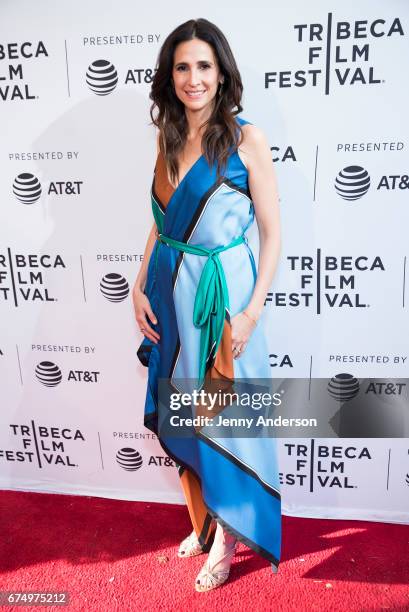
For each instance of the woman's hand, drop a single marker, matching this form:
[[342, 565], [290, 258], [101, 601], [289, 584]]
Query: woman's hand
[[143, 311], [241, 329]]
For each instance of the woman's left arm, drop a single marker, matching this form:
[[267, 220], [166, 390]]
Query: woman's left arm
[[264, 193]]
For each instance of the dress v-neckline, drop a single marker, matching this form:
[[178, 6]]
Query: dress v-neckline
[[179, 185], [175, 189]]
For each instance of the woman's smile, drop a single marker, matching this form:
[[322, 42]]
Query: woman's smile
[[195, 94]]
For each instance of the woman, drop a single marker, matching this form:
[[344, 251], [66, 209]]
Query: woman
[[198, 295]]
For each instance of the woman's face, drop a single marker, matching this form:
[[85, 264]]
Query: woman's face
[[196, 75]]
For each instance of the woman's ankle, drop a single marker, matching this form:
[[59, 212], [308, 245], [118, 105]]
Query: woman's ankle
[[223, 547]]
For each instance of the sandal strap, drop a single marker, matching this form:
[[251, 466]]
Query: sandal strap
[[190, 545], [208, 578]]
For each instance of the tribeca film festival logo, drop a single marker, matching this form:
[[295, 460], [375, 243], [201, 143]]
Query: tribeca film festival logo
[[42, 444], [102, 77], [323, 466], [27, 188], [337, 51], [50, 375], [353, 182], [130, 460], [22, 276], [12, 81], [329, 280]]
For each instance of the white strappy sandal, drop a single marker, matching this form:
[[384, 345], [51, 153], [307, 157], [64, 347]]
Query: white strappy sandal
[[190, 546], [216, 570]]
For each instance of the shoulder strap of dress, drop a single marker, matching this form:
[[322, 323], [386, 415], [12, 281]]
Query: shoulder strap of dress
[[242, 121]]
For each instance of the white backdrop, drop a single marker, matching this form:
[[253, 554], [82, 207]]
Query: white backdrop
[[327, 84]]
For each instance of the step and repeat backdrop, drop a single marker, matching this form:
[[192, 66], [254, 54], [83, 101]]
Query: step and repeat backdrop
[[327, 84]]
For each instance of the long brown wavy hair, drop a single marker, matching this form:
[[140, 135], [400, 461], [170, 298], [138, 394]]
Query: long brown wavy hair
[[222, 135]]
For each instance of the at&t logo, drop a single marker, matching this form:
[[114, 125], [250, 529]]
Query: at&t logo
[[353, 182], [27, 188], [102, 77], [114, 287], [129, 459], [50, 375], [343, 387]]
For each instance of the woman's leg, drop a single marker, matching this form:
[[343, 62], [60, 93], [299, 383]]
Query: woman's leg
[[217, 567], [203, 525]]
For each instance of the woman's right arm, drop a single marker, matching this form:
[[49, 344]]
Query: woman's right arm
[[141, 303]]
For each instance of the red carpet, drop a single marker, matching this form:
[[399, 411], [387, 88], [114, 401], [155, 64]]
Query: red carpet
[[116, 555]]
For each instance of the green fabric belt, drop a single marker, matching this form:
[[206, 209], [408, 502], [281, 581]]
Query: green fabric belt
[[212, 296]]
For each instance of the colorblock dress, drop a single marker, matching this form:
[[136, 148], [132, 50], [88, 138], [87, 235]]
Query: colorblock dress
[[233, 481]]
